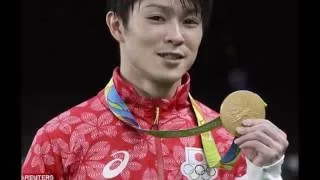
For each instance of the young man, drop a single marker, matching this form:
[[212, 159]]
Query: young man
[[107, 136]]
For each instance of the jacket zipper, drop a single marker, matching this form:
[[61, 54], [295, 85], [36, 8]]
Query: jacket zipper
[[158, 146]]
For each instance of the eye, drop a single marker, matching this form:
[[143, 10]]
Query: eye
[[191, 21], [156, 18]]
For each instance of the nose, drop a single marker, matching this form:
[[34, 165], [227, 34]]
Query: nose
[[174, 34]]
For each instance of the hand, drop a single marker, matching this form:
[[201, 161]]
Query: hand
[[261, 141]]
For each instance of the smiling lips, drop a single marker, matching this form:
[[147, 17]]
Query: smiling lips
[[171, 55]]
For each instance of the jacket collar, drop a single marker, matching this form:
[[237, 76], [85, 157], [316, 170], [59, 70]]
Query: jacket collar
[[130, 96]]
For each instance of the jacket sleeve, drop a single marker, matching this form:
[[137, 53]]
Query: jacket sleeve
[[271, 172], [41, 159]]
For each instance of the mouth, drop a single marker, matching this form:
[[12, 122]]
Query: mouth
[[171, 55]]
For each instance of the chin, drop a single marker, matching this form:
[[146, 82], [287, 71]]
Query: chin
[[170, 77]]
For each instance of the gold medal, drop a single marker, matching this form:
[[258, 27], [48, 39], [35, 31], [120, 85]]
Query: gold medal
[[241, 105]]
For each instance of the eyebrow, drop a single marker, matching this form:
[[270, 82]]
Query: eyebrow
[[166, 8], [157, 6]]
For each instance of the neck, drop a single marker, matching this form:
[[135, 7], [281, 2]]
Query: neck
[[147, 87]]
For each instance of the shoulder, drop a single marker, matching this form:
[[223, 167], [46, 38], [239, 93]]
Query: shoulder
[[65, 121], [75, 121]]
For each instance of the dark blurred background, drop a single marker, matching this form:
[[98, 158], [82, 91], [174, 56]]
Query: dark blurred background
[[68, 56]]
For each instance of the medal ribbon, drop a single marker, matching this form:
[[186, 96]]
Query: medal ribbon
[[121, 111]]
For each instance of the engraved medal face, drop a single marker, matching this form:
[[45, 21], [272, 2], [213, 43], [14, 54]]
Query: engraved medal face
[[241, 105]]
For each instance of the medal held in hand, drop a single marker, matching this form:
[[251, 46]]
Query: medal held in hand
[[241, 105]]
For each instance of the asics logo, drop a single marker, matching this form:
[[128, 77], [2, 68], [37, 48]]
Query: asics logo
[[111, 173]]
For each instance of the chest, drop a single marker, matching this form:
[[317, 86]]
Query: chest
[[134, 156]]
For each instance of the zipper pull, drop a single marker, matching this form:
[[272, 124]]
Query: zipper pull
[[156, 120]]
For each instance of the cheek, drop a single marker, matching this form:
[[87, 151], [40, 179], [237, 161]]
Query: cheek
[[151, 37], [145, 45], [195, 42], [149, 34]]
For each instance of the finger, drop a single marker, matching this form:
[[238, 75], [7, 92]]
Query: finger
[[276, 128], [253, 122], [261, 137], [258, 146], [266, 128], [261, 148]]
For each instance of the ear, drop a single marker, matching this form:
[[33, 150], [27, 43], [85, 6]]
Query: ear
[[115, 25]]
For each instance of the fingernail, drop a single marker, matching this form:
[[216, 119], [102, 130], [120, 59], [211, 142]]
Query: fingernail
[[246, 122], [239, 129]]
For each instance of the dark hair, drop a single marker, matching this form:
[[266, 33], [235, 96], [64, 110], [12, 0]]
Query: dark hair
[[121, 8]]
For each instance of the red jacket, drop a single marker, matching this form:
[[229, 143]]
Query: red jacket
[[88, 142]]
